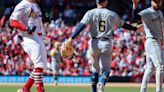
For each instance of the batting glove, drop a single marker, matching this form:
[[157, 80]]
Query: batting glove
[[30, 30]]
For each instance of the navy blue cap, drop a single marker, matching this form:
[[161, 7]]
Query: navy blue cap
[[99, 1]]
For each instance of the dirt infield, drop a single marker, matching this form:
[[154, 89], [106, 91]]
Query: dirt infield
[[85, 84]]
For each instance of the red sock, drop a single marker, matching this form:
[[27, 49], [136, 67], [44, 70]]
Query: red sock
[[29, 83], [38, 79], [40, 87]]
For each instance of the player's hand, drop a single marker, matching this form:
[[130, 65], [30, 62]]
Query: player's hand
[[67, 48], [140, 28], [30, 30], [135, 3]]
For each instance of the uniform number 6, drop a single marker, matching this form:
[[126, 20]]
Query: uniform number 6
[[102, 26]]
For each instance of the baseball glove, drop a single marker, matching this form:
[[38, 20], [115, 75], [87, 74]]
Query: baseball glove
[[66, 49]]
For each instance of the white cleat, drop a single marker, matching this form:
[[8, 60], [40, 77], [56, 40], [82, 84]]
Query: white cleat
[[100, 87]]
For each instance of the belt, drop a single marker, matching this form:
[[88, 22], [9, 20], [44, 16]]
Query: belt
[[161, 41], [151, 38], [101, 38]]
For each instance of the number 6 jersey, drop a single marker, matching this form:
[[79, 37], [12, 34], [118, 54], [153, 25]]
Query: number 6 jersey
[[102, 22]]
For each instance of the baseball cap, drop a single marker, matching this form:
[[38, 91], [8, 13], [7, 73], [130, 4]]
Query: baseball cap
[[99, 1]]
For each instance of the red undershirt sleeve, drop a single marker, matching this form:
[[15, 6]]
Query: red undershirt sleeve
[[18, 25]]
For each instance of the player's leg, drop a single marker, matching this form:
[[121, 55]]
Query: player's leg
[[95, 72], [158, 62], [105, 59], [94, 79], [55, 69], [28, 84], [156, 55], [147, 74], [95, 69], [30, 81], [105, 62], [35, 76], [41, 65], [39, 57], [38, 75]]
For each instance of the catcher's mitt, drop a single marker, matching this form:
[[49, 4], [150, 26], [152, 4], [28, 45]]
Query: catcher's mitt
[[66, 49]]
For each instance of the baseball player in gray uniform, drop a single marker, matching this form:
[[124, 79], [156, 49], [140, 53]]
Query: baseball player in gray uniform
[[102, 24], [152, 22], [56, 58]]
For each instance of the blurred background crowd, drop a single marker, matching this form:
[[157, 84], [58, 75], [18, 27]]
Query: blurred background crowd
[[60, 18]]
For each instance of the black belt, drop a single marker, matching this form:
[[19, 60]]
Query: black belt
[[102, 38], [152, 38]]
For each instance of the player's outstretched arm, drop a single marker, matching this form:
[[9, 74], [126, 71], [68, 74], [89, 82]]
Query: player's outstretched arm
[[138, 28], [78, 29], [129, 27]]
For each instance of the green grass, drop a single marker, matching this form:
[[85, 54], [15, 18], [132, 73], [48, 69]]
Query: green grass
[[75, 89]]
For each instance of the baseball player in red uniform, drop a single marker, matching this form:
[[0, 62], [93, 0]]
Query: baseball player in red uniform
[[26, 17]]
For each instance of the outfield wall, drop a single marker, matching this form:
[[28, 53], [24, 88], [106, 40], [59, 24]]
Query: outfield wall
[[47, 79], [66, 79]]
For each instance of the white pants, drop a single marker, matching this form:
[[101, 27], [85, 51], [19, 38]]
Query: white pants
[[34, 46], [55, 67], [100, 55], [154, 60]]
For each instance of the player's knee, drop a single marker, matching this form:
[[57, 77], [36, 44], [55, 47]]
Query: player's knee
[[106, 69], [149, 70], [95, 70], [105, 75], [160, 68]]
